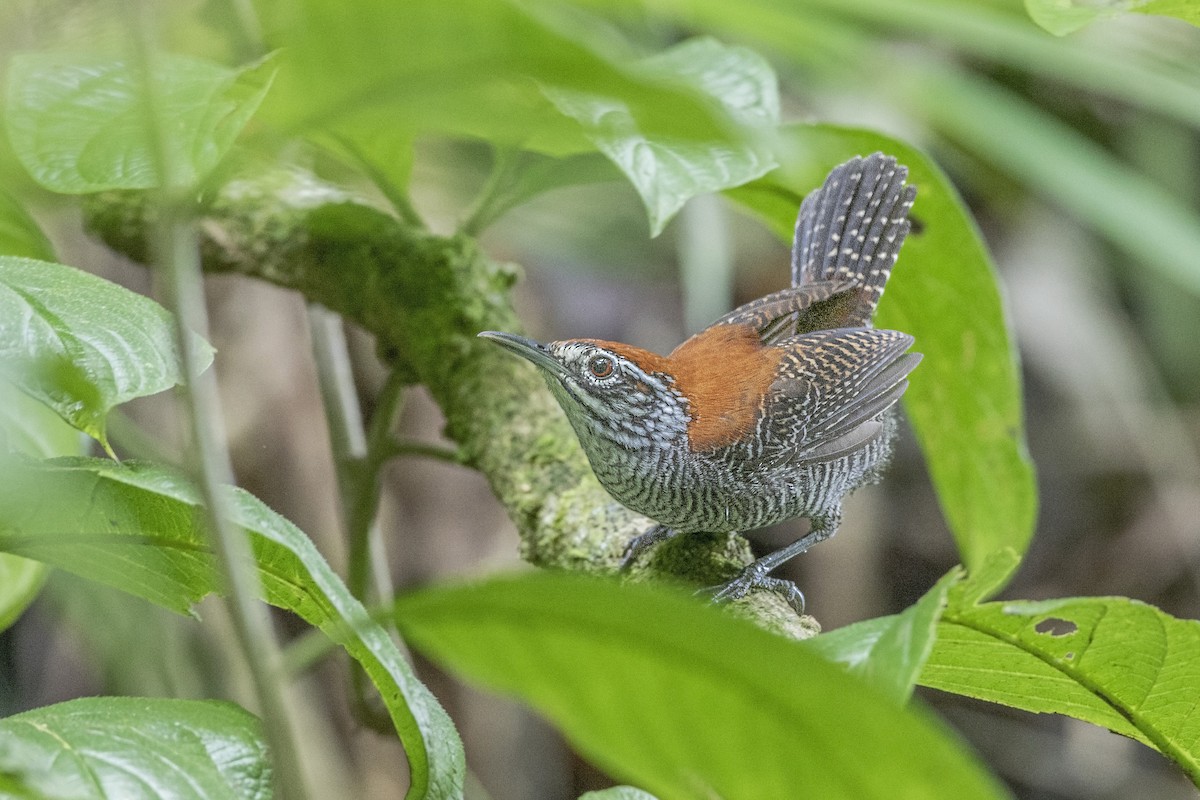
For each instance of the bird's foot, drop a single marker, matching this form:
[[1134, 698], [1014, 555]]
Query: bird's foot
[[754, 577], [643, 542]]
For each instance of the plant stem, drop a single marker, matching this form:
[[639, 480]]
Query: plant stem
[[483, 209], [176, 251], [358, 463]]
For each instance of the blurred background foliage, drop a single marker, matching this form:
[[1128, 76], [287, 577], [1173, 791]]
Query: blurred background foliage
[[1079, 157]]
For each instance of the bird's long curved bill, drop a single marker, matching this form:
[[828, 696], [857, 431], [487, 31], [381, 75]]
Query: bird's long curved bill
[[527, 349]]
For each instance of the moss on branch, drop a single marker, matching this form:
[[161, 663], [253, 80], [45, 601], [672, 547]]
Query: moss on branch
[[425, 298]]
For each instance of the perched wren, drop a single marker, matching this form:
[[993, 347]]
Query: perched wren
[[778, 409]]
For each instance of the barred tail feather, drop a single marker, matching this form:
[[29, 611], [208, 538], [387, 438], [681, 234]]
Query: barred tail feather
[[850, 231]]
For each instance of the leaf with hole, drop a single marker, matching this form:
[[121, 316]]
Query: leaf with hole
[[683, 699], [104, 748], [81, 344], [1111, 661], [138, 527]]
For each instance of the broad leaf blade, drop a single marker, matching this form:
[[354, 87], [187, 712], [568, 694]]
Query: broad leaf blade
[[668, 172], [102, 748], [682, 699], [78, 124], [81, 344], [412, 66], [964, 401], [1111, 661], [890, 652], [138, 527]]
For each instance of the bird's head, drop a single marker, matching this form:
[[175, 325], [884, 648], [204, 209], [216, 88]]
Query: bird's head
[[617, 392]]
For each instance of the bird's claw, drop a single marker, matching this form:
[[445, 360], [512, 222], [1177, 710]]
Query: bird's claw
[[752, 578], [643, 542]]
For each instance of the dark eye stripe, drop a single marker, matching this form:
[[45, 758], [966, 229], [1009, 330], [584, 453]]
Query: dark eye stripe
[[601, 366]]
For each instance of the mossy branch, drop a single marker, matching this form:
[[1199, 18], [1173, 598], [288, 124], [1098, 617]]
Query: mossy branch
[[425, 298]]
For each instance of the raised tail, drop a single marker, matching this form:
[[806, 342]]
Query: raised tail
[[849, 232]]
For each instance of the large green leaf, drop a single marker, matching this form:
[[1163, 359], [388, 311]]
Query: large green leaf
[[890, 652], [1061, 17], [683, 699], [419, 68], [81, 344], [964, 401], [667, 172], [128, 748], [139, 528], [1111, 661], [79, 124]]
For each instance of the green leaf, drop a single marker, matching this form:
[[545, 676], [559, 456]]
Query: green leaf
[[20, 582], [1061, 17], [890, 652], [19, 234], [102, 748], [81, 344], [475, 72], [618, 793], [79, 124], [138, 527], [1111, 661], [668, 172], [29, 428], [964, 400], [683, 699]]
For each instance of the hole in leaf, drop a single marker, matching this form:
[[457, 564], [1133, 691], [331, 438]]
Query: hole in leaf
[[1056, 626]]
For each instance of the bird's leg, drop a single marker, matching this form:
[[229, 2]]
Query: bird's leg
[[756, 575], [643, 541]]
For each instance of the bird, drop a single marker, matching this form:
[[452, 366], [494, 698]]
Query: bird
[[777, 410]]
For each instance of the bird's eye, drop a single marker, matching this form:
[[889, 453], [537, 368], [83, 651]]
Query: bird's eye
[[601, 366]]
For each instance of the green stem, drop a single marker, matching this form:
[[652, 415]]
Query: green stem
[[358, 482], [397, 197], [176, 251], [451, 455], [484, 208]]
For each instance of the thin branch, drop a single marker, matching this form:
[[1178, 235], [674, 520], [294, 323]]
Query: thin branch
[[173, 241], [484, 208]]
